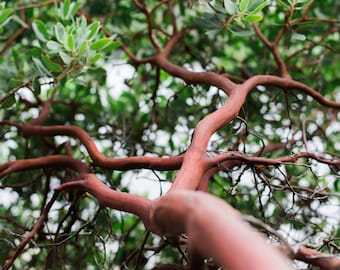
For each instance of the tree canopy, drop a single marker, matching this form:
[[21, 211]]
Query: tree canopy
[[169, 134]]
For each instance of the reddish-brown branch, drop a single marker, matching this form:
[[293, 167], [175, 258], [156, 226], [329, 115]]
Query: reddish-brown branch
[[174, 40], [192, 77], [189, 77], [172, 16], [201, 216], [169, 163], [268, 161], [110, 198], [11, 39], [312, 44], [310, 256], [56, 161], [169, 267], [142, 7], [273, 48], [160, 3], [230, 163], [187, 178], [31, 234], [195, 157], [35, 5], [286, 83], [192, 213], [204, 181], [44, 112]]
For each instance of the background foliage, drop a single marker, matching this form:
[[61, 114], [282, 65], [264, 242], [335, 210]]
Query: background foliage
[[60, 50]]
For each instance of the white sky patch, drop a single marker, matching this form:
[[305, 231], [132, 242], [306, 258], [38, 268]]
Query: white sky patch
[[145, 183], [117, 73], [8, 197], [31, 113], [26, 94]]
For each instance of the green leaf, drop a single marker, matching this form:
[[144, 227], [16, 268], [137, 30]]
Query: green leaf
[[36, 85], [65, 57], [298, 36], [53, 46], [254, 3], [210, 21], [337, 185], [50, 65], [230, 7], [217, 8], [59, 32], [242, 33], [83, 47], [95, 58], [112, 46], [283, 4], [239, 22], [34, 51], [93, 29], [66, 8], [74, 8], [40, 30], [207, 24], [253, 18], [259, 7], [8, 102], [243, 5], [5, 14], [40, 67], [100, 44], [70, 43]]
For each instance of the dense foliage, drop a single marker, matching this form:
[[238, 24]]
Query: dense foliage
[[98, 67]]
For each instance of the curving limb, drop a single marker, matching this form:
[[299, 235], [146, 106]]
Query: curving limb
[[111, 198], [200, 215], [316, 258], [181, 212], [39, 223], [56, 161], [123, 164]]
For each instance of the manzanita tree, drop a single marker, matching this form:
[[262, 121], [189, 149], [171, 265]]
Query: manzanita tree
[[233, 106]]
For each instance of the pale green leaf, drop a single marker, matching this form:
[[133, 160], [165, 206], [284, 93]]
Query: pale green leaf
[[59, 32], [253, 18], [242, 33], [298, 36], [113, 45], [83, 47], [51, 66], [70, 42], [239, 22], [65, 57], [95, 58], [100, 44], [259, 7], [93, 29], [40, 30], [74, 8], [53, 46], [283, 4], [243, 5], [40, 67], [230, 7]]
